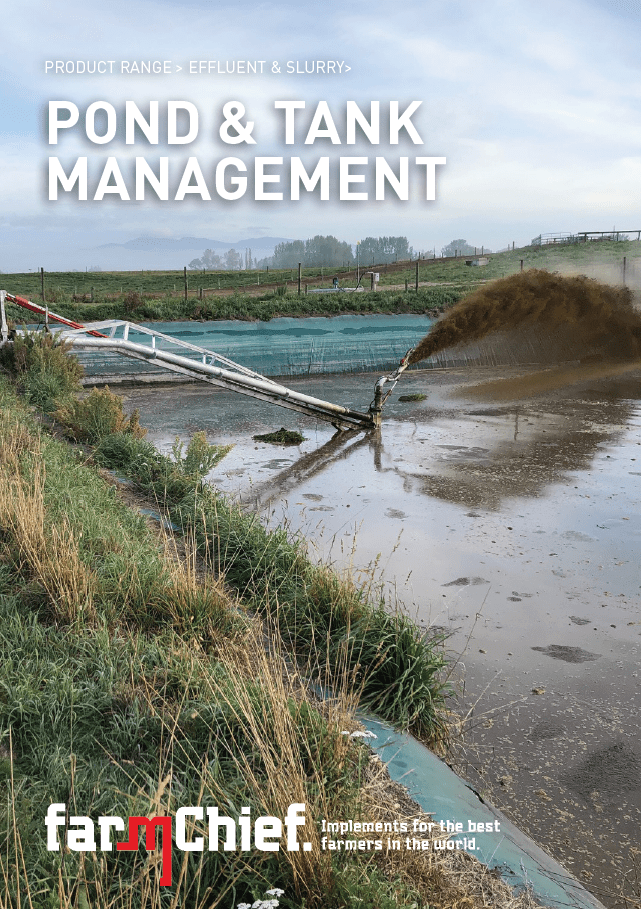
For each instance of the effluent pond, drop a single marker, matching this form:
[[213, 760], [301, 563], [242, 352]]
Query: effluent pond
[[502, 509]]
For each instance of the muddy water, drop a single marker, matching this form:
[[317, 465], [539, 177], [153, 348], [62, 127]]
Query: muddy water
[[513, 525]]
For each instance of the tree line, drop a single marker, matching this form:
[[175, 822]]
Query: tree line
[[231, 260], [315, 252], [324, 251], [328, 251]]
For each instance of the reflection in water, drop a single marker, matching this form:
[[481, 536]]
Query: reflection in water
[[525, 449], [455, 449], [341, 445], [517, 533], [536, 447], [520, 464]]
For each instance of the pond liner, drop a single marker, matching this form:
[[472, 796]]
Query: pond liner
[[444, 795]]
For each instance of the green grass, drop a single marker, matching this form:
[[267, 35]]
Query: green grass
[[500, 265], [131, 683], [108, 283], [159, 296], [252, 308], [324, 618], [126, 709]]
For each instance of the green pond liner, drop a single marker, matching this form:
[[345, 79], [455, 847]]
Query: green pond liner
[[444, 795], [283, 346]]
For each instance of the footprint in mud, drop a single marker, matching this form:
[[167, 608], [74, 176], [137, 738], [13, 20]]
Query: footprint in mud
[[435, 631], [466, 582], [395, 513], [277, 463], [323, 508], [312, 496], [578, 536], [568, 654], [610, 771], [547, 729], [463, 451], [517, 597], [578, 620]]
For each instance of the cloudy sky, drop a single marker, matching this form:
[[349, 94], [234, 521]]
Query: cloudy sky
[[535, 105]]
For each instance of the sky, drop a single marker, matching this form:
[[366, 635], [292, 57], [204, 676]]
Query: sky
[[535, 107]]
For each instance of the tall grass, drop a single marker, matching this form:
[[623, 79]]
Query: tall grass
[[253, 307], [97, 415], [47, 376], [320, 614], [134, 680]]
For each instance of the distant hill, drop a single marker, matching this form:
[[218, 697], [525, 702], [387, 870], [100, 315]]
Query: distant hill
[[152, 253], [197, 244]]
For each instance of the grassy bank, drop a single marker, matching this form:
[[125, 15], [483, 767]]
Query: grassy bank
[[246, 307], [578, 258], [142, 672], [154, 295]]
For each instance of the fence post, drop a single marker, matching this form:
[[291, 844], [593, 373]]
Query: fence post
[[417, 261], [185, 277], [42, 284], [624, 258], [299, 267]]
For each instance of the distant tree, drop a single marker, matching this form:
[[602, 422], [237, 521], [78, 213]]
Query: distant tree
[[380, 250], [233, 260], [458, 248], [316, 251], [209, 259], [287, 255], [327, 251]]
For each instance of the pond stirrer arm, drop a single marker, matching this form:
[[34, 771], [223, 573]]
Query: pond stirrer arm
[[196, 363], [376, 407]]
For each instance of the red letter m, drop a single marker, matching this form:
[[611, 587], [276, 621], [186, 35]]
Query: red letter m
[[150, 842]]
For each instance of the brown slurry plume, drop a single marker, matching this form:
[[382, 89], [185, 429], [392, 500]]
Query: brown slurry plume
[[597, 317]]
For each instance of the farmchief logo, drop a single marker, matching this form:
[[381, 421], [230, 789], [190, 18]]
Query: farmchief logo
[[79, 833]]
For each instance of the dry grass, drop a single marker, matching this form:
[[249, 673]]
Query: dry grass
[[48, 554], [446, 880], [287, 745], [91, 418], [295, 749]]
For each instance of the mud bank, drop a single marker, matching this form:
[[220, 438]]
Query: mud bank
[[513, 526]]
